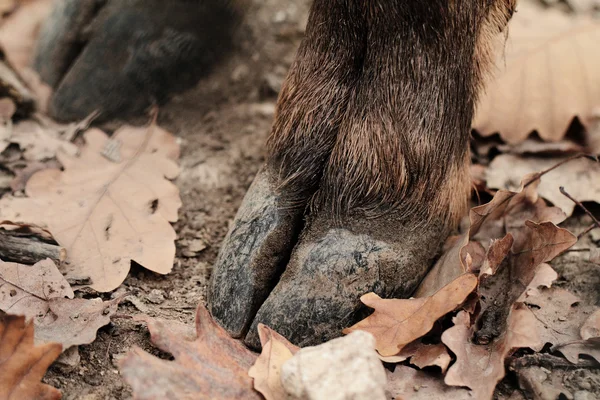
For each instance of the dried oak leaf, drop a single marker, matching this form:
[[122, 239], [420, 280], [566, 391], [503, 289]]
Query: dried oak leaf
[[546, 76], [481, 367], [41, 293], [410, 384], [591, 327], [562, 320], [507, 212], [214, 366], [580, 178], [266, 371], [22, 363], [397, 322], [432, 355], [107, 213]]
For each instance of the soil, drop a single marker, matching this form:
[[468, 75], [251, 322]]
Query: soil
[[223, 124]]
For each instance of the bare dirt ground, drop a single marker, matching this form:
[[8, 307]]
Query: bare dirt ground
[[223, 124]]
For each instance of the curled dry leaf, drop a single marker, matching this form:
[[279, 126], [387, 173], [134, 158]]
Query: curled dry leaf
[[23, 365], [579, 177], [397, 322], [266, 371], [481, 367], [408, 383], [41, 293], [108, 213], [547, 75], [432, 355], [507, 212], [214, 366]]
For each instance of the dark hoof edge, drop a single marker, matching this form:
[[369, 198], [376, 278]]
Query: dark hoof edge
[[331, 266]]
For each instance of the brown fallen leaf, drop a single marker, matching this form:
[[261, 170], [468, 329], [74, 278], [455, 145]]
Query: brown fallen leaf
[[22, 363], [18, 32], [432, 355], [108, 213], [481, 367], [407, 352], [507, 212], [397, 322], [42, 294], [266, 371], [410, 384], [214, 366], [544, 78]]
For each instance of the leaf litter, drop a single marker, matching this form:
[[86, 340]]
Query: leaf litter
[[108, 213], [514, 235]]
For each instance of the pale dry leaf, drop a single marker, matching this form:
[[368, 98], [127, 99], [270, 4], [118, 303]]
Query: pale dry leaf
[[73, 322], [107, 214], [546, 76], [544, 277], [18, 32], [595, 255], [537, 147], [42, 294], [579, 177], [410, 384], [266, 371], [573, 351], [559, 316], [432, 355], [27, 290], [38, 142], [543, 384], [23, 364], [591, 327], [481, 367], [398, 322], [214, 366]]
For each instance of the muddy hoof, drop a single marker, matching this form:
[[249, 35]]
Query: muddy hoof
[[331, 266], [120, 57]]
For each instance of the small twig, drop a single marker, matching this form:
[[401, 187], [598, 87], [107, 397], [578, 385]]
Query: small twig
[[577, 250], [586, 231], [538, 175], [121, 316], [550, 362], [564, 192]]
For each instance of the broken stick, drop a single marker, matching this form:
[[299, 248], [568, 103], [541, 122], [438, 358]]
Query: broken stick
[[28, 250]]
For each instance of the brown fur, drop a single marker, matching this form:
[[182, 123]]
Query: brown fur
[[374, 117]]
